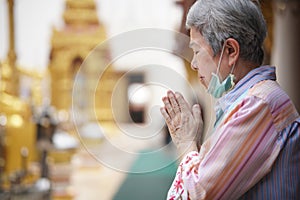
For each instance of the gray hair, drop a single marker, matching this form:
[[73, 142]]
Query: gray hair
[[242, 20]]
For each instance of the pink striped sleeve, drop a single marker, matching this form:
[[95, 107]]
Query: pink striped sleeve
[[239, 153]]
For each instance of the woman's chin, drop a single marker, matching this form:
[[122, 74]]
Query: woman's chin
[[202, 81]]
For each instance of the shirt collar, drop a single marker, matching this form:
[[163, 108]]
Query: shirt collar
[[254, 76]]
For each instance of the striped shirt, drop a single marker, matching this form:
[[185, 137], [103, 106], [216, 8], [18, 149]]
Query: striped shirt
[[254, 151]]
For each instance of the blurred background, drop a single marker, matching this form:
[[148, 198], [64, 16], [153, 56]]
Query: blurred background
[[81, 83]]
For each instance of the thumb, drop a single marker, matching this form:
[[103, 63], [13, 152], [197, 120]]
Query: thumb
[[196, 110]]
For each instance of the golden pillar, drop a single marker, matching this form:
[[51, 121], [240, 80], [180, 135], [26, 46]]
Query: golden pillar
[[19, 130], [9, 73]]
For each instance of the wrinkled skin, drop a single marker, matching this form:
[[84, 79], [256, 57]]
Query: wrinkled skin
[[185, 123]]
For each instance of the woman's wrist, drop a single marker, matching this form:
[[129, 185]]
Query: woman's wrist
[[186, 147]]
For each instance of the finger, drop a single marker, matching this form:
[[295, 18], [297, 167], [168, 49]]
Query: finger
[[166, 116], [183, 105], [173, 101], [168, 120], [168, 107]]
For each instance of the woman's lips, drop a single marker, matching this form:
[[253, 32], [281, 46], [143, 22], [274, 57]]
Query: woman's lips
[[202, 80]]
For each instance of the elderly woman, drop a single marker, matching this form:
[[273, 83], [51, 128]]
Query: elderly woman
[[253, 152]]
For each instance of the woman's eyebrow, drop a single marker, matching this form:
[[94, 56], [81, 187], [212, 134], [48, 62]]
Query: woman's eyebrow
[[193, 44]]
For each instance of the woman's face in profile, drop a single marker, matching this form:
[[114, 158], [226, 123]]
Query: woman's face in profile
[[203, 60]]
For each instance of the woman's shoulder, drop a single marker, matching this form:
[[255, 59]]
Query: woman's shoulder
[[270, 92], [278, 101]]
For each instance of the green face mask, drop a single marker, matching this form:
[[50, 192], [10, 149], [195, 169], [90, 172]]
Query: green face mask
[[215, 87]]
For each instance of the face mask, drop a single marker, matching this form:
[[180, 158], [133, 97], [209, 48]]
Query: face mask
[[215, 87]]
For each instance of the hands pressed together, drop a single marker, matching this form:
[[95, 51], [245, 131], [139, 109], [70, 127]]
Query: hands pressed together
[[185, 123]]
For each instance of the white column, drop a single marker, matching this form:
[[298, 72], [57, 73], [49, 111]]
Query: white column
[[286, 48]]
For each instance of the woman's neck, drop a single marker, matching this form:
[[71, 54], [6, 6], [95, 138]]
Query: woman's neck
[[242, 69]]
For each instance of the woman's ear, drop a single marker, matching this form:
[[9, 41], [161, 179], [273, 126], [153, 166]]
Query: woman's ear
[[233, 50]]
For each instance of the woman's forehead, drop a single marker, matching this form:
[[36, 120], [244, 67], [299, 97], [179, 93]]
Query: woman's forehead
[[196, 38]]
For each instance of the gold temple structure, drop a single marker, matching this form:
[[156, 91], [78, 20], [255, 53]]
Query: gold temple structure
[[70, 48], [68, 66]]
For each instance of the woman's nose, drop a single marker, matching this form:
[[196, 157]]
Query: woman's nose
[[194, 65]]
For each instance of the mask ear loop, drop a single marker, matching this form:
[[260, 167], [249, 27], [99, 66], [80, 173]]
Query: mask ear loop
[[221, 56], [232, 69]]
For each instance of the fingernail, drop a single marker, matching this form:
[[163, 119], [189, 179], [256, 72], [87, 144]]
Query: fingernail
[[170, 92]]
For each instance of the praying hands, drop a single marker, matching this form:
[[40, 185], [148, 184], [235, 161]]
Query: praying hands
[[184, 122]]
